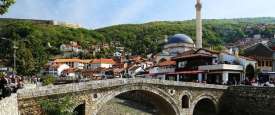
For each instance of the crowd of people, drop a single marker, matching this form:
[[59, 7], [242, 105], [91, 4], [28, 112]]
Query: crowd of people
[[10, 84]]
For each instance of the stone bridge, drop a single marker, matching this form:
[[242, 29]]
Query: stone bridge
[[171, 97]]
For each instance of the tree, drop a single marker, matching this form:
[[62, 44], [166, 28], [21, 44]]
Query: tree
[[48, 80], [4, 5], [57, 106]]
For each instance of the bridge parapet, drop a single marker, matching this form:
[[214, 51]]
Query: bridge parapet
[[76, 87]]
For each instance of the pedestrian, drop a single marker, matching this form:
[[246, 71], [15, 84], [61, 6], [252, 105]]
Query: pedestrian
[[3, 83]]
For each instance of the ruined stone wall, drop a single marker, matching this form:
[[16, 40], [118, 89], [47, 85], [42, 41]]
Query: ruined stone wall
[[248, 101], [9, 106]]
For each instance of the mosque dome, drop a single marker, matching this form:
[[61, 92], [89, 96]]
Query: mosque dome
[[180, 38]]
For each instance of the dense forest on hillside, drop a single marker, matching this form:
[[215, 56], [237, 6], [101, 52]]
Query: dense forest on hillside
[[39, 42]]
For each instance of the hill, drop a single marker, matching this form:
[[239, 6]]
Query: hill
[[215, 32], [139, 39]]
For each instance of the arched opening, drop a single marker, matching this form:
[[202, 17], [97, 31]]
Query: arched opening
[[137, 102], [185, 101], [80, 110], [205, 107], [250, 72]]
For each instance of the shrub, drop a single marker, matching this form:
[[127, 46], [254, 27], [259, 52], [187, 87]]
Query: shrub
[[47, 80], [57, 106]]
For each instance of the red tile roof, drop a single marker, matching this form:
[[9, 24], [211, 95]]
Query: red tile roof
[[167, 63], [104, 61], [70, 70], [193, 56], [66, 60]]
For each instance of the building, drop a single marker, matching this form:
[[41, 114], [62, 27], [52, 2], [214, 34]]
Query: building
[[212, 67], [176, 44], [160, 70], [264, 54], [55, 69], [73, 49], [72, 63], [50, 22], [135, 70], [101, 63]]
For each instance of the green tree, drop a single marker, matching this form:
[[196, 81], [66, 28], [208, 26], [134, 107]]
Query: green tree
[[4, 5], [59, 106], [47, 80]]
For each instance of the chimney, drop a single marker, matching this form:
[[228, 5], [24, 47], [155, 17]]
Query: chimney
[[198, 25]]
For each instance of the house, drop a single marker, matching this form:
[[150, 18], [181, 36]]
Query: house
[[117, 54], [212, 67], [135, 70], [160, 70], [56, 69], [58, 66], [264, 54], [73, 49], [70, 73], [86, 63], [119, 72], [73, 63], [101, 63]]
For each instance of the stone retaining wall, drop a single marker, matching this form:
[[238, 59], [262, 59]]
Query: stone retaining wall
[[248, 101], [9, 105]]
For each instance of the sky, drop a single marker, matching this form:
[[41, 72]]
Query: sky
[[102, 13]]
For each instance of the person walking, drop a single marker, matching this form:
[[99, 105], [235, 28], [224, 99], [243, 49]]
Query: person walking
[[3, 83]]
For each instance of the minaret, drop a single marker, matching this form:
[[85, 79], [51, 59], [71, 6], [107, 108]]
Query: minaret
[[198, 25]]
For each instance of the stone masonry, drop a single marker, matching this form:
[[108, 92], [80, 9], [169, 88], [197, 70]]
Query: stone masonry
[[9, 106], [95, 94]]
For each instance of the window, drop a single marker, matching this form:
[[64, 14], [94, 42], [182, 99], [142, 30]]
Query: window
[[259, 63], [182, 64]]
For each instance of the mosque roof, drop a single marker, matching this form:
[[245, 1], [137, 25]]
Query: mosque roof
[[180, 38]]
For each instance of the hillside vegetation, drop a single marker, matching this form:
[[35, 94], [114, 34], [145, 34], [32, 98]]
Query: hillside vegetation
[[39, 42]]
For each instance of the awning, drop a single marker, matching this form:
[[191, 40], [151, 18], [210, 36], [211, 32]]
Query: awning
[[186, 72]]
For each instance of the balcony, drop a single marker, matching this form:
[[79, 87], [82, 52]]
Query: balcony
[[221, 67]]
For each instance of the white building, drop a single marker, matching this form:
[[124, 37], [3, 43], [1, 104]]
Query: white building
[[73, 63], [101, 63], [135, 70], [71, 50], [159, 71], [56, 69]]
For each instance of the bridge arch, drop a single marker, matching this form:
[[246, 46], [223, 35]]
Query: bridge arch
[[79, 102], [165, 97], [205, 101], [80, 109]]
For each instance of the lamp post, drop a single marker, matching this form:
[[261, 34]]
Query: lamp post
[[14, 55]]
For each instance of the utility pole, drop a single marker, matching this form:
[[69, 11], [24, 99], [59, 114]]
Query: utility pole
[[14, 58], [14, 55]]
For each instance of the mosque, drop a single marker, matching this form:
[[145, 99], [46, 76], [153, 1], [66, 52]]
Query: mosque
[[176, 44], [180, 43], [194, 63]]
